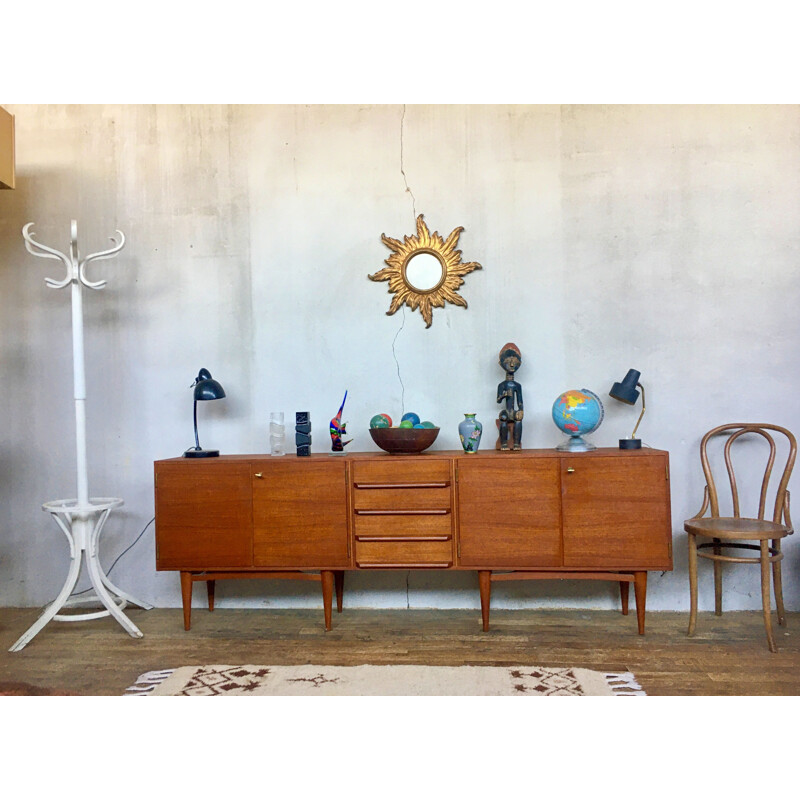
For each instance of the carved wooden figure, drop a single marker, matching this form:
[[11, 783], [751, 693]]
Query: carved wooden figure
[[509, 392]]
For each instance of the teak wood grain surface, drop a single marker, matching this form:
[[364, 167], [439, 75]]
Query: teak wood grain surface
[[509, 512], [300, 514], [530, 514]]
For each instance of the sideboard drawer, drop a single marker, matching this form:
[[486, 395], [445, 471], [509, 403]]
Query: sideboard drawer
[[397, 499], [393, 471], [403, 526], [404, 555]]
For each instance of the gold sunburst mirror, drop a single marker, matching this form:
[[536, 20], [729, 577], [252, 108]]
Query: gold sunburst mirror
[[424, 271]]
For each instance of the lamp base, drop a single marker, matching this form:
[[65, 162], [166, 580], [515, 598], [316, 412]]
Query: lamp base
[[630, 444], [194, 452]]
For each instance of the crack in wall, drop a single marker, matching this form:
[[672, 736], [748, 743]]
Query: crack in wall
[[402, 164]]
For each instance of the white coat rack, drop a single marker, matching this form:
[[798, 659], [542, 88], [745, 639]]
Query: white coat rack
[[82, 518]]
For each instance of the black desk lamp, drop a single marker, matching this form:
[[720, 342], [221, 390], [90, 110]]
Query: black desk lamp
[[205, 388], [626, 392]]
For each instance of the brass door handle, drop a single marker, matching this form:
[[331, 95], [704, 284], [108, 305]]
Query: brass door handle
[[259, 475], [570, 469]]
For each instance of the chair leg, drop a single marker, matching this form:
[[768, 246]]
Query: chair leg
[[692, 584], [765, 592], [778, 583], [717, 580]]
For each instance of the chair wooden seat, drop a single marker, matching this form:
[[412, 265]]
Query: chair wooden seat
[[736, 528], [738, 532]]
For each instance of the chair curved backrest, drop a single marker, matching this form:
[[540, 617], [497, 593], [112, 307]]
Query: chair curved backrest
[[736, 430]]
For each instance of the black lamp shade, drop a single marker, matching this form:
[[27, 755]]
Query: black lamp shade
[[626, 391], [206, 388]]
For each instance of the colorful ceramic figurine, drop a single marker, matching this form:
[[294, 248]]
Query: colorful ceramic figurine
[[338, 430], [510, 417]]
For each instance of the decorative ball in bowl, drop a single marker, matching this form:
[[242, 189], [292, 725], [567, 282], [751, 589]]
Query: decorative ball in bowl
[[404, 440]]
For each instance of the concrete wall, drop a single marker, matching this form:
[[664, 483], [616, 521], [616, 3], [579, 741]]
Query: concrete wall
[[661, 238]]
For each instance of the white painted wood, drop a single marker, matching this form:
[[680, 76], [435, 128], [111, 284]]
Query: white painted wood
[[81, 519]]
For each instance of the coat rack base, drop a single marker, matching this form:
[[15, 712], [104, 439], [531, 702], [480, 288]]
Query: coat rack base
[[82, 524]]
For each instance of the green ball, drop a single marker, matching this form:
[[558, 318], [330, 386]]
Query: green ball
[[428, 424], [379, 421], [406, 423]]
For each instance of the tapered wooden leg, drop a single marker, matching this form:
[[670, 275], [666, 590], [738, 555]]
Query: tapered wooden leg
[[211, 588], [338, 580], [327, 595], [717, 580], [778, 583], [692, 584], [485, 583], [624, 591], [765, 592], [640, 592], [186, 599]]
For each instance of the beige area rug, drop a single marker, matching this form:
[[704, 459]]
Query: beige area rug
[[370, 680]]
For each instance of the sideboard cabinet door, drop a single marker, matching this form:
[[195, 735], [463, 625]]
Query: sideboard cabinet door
[[300, 513], [616, 512], [203, 514], [509, 512]]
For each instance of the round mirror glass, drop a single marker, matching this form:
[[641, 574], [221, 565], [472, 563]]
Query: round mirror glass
[[424, 272]]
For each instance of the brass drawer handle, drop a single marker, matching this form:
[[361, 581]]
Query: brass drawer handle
[[259, 475], [570, 469]]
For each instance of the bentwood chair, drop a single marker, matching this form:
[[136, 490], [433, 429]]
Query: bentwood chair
[[738, 532]]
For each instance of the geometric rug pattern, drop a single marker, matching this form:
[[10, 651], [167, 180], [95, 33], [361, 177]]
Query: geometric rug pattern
[[222, 680]]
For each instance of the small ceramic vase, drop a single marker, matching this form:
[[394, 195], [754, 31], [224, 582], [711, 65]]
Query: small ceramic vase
[[469, 431]]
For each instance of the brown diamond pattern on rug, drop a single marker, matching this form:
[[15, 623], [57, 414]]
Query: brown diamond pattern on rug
[[546, 681], [211, 681]]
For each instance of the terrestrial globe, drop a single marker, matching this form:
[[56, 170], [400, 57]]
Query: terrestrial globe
[[577, 413]]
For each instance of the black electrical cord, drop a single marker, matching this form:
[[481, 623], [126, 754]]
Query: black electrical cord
[[108, 572]]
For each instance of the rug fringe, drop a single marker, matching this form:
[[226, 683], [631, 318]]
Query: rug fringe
[[623, 684], [147, 682]]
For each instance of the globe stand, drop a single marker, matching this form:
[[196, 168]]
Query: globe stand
[[576, 444]]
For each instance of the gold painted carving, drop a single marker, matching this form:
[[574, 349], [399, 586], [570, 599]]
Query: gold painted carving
[[440, 288]]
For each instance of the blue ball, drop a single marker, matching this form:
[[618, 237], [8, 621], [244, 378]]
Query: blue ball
[[411, 416]]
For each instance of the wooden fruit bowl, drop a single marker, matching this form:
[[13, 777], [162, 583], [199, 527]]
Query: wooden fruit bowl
[[404, 440]]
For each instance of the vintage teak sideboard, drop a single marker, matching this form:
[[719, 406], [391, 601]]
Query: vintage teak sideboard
[[529, 514]]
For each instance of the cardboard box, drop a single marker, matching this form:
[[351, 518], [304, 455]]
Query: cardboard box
[[7, 160]]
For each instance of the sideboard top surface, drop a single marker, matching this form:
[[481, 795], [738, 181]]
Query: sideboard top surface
[[510, 455]]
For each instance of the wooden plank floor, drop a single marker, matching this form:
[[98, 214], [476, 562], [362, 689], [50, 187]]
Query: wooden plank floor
[[728, 656]]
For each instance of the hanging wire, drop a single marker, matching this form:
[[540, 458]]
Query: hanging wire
[[108, 571], [397, 363]]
